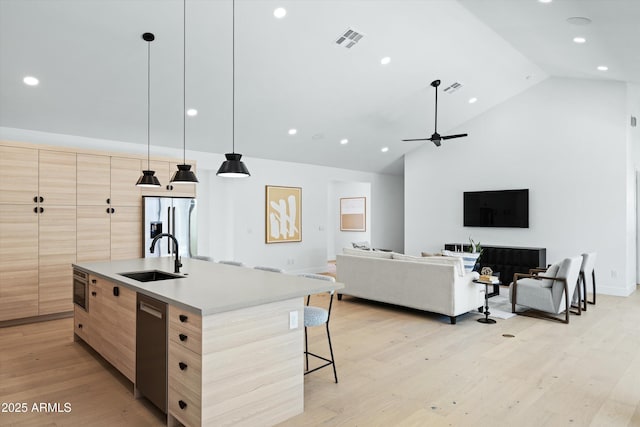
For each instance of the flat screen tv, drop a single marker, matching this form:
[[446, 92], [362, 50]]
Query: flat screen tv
[[504, 208]]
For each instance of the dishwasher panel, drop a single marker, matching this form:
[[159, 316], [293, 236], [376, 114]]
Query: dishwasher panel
[[151, 350]]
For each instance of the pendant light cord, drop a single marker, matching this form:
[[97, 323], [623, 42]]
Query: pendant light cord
[[436, 120], [148, 105], [233, 76], [184, 81]]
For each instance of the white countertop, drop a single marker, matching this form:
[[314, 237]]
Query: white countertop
[[209, 287]]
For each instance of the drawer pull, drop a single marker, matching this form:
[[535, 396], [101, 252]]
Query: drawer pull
[[116, 291], [79, 325], [94, 293], [183, 337], [183, 318], [182, 404], [182, 365], [94, 281]]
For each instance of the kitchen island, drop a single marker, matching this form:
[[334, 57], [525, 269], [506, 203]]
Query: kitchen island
[[235, 336]]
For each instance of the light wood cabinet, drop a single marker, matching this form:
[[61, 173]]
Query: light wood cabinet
[[124, 175], [93, 227], [94, 179], [57, 178], [126, 232], [57, 251], [18, 262], [18, 175], [112, 320]]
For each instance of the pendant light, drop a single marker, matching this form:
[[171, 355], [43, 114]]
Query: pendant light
[[233, 167], [148, 179], [184, 174]]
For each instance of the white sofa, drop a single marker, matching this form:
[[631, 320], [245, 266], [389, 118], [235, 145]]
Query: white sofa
[[435, 284]]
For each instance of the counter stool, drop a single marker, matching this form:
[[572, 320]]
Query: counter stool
[[235, 263], [317, 316]]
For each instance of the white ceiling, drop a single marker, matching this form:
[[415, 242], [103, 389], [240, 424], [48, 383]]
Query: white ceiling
[[91, 62]]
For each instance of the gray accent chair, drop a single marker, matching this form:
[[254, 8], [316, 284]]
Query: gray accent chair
[[318, 316], [587, 270], [272, 269], [549, 291]]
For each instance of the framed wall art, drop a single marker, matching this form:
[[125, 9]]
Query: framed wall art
[[353, 214], [283, 214]]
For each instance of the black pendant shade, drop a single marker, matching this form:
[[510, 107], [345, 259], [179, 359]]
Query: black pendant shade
[[233, 167], [148, 179], [184, 175]]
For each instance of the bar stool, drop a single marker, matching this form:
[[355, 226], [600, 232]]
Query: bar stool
[[588, 269], [317, 316]]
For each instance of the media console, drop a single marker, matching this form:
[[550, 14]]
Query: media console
[[507, 260]]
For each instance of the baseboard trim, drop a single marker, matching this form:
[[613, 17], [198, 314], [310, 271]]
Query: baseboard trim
[[615, 291], [35, 319]]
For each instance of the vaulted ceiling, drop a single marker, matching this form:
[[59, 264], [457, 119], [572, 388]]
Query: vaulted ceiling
[[290, 73]]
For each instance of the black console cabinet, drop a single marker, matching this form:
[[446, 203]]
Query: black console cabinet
[[507, 260]]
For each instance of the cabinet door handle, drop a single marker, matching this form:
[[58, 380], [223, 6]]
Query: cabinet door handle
[[183, 337], [41, 199], [93, 293], [112, 210], [183, 318], [182, 404], [35, 210], [108, 201], [79, 325], [182, 365], [108, 210], [35, 199], [94, 281], [41, 210], [116, 291]]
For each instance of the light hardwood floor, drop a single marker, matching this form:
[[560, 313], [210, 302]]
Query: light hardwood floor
[[395, 366]]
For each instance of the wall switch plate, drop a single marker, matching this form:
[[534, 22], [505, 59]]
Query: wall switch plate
[[293, 320]]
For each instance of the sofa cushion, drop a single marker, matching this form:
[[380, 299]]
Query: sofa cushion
[[455, 261], [365, 253], [469, 259], [403, 257]]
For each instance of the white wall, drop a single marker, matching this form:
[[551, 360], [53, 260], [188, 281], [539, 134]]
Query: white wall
[[342, 239], [633, 176], [563, 139]]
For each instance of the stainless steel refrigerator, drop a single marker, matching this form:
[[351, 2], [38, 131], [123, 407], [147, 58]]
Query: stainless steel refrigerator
[[175, 215]]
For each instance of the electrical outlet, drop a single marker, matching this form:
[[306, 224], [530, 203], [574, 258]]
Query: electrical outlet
[[293, 319]]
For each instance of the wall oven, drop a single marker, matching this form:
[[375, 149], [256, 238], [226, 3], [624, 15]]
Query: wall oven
[[81, 289]]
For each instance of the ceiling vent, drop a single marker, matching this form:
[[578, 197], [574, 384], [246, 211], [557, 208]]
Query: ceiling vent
[[349, 38], [453, 87]]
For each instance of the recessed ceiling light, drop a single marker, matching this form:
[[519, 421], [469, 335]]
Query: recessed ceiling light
[[192, 112], [293, 131], [384, 149], [344, 141], [280, 12], [545, 1], [385, 60], [579, 40], [602, 68], [473, 100], [31, 81]]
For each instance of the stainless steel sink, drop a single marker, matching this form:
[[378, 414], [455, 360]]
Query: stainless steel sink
[[151, 275]]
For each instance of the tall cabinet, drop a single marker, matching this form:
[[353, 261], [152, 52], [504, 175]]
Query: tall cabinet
[[37, 231]]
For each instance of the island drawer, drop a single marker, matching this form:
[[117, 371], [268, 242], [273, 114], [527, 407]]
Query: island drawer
[[185, 320], [185, 371], [185, 409], [81, 323], [185, 331]]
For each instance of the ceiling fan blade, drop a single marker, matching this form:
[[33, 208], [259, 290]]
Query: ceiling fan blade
[[419, 139], [460, 135]]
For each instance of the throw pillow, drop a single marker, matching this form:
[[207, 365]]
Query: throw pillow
[[361, 245], [365, 253], [426, 254], [551, 272], [446, 260]]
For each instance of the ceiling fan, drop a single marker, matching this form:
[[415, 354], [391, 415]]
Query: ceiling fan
[[436, 138]]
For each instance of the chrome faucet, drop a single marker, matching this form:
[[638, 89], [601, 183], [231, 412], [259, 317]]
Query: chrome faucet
[[177, 263]]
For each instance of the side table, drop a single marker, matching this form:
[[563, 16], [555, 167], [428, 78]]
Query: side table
[[486, 301]]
